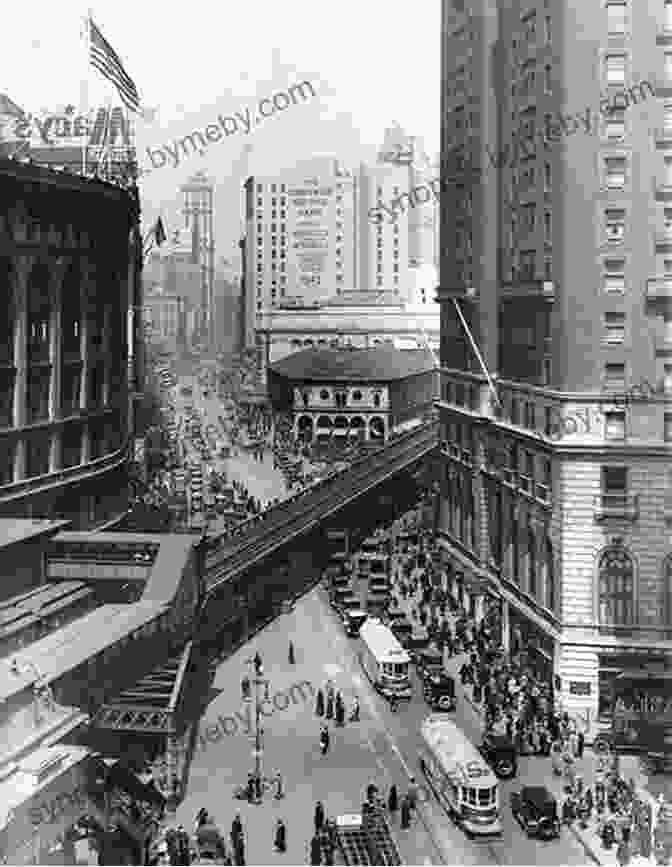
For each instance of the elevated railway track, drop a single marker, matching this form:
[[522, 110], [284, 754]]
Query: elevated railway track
[[229, 555]]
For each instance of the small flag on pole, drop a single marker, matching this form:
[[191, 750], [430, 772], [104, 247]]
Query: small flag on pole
[[159, 232], [105, 59]]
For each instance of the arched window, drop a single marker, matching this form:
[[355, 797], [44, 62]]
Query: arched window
[[531, 563], [616, 588]]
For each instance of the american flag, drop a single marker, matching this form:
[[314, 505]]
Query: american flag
[[105, 59]]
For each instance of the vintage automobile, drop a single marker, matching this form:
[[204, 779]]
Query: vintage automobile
[[429, 661], [353, 620], [536, 810], [439, 692], [500, 753]]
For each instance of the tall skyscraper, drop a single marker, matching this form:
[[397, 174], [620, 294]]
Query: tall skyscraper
[[198, 219], [300, 230], [556, 497]]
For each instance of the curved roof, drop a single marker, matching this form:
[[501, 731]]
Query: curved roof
[[379, 364]]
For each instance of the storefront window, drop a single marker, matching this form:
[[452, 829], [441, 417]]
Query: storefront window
[[616, 588]]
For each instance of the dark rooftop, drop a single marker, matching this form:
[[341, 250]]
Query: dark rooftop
[[381, 363]]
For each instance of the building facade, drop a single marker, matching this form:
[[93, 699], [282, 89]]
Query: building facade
[[312, 243], [555, 501], [350, 394], [198, 215], [70, 344], [354, 321]]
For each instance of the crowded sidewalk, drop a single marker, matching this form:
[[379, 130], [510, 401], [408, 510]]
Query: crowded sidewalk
[[601, 798]]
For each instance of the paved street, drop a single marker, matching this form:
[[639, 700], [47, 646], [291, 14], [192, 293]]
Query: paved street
[[382, 748], [260, 478]]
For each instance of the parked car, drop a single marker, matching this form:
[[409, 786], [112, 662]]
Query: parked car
[[500, 753], [536, 810]]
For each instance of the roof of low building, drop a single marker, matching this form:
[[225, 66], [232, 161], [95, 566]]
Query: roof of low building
[[380, 364], [14, 530]]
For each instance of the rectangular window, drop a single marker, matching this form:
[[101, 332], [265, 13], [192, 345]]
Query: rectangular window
[[614, 276], [615, 172], [615, 17], [547, 30], [614, 377], [614, 324], [615, 224], [614, 488], [667, 116], [667, 427], [667, 16], [615, 64], [667, 177], [548, 81], [614, 425], [667, 379], [615, 125]]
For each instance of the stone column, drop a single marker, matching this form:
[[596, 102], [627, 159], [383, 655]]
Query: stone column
[[56, 359], [85, 351], [107, 359], [19, 409]]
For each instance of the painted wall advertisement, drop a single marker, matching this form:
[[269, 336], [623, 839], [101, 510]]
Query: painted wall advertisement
[[310, 235]]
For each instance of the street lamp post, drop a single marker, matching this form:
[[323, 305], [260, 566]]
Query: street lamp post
[[259, 681]]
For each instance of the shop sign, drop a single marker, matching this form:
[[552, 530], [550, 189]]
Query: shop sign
[[69, 129], [579, 687]]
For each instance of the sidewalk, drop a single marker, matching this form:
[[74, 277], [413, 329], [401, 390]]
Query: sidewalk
[[537, 770]]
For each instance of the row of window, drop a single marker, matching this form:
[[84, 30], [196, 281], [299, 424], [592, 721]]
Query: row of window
[[283, 187]]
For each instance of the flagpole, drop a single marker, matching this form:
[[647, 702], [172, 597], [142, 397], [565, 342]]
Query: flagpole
[[476, 351], [84, 95]]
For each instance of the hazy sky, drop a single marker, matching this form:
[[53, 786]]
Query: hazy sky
[[371, 63]]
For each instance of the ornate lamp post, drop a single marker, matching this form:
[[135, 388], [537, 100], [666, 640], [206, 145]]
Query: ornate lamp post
[[259, 681]]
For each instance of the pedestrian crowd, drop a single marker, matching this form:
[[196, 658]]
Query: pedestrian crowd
[[176, 847]]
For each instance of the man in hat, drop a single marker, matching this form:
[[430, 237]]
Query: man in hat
[[280, 836], [319, 816]]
